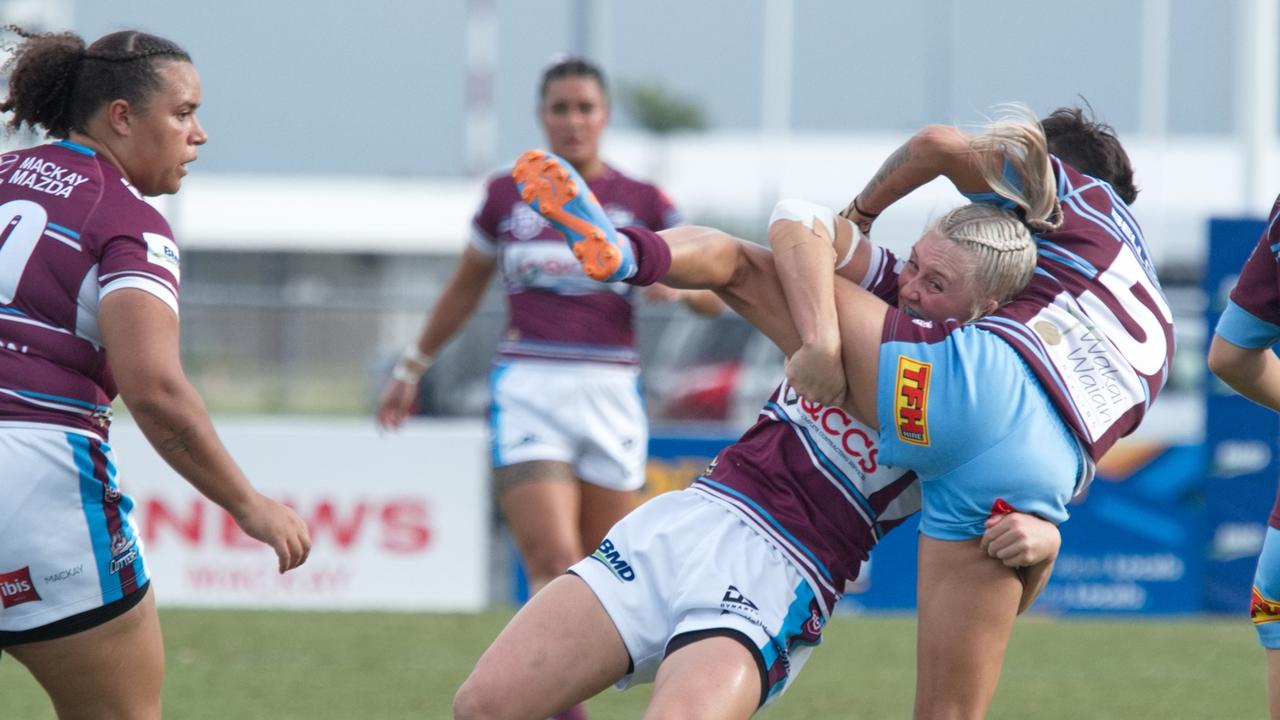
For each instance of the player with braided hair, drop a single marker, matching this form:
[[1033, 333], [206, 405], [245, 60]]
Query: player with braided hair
[[89, 277], [719, 593], [1092, 333], [1016, 405]]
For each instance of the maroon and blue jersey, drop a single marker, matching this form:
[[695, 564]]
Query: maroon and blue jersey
[[1252, 316], [72, 230], [809, 478], [556, 311], [1093, 324]]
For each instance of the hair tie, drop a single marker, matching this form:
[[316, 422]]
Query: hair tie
[[863, 213]]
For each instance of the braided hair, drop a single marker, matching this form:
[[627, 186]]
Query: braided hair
[[59, 84], [1000, 245]]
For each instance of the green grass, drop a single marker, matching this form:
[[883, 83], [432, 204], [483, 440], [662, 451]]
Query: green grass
[[384, 666]]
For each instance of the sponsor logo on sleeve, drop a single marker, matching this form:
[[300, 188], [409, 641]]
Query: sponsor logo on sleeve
[[162, 251], [911, 401], [16, 588]]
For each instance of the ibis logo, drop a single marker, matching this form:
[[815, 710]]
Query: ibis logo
[[16, 588]]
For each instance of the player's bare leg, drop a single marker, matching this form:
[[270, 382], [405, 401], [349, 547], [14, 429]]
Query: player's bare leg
[[967, 602], [716, 678], [601, 509], [540, 501], [559, 650], [701, 257], [114, 670], [1273, 682]]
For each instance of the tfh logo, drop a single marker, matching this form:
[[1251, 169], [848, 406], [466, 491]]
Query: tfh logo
[[911, 401]]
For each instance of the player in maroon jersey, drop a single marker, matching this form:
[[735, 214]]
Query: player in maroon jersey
[[1241, 354], [1093, 327], [567, 428], [1094, 296], [719, 593], [89, 277]]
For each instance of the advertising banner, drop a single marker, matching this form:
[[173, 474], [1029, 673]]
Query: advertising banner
[[397, 521], [1240, 439], [1133, 545]]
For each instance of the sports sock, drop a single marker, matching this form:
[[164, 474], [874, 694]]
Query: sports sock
[[653, 256]]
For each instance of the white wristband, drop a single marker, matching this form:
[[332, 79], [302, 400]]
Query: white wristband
[[413, 355], [411, 365], [402, 373]]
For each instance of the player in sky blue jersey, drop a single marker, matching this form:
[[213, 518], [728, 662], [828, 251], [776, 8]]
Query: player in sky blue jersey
[[719, 593], [1085, 349]]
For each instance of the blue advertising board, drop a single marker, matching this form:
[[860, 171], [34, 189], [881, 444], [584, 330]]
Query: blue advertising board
[[1240, 442], [1134, 545]]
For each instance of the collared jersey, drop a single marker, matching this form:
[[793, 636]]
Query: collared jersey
[[72, 230], [1093, 324], [555, 311]]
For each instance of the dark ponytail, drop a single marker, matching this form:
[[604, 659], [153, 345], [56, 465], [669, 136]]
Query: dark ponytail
[[43, 71], [58, 84]]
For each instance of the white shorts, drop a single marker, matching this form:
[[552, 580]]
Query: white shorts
[[68, 544], [586, 414], [681, 563]]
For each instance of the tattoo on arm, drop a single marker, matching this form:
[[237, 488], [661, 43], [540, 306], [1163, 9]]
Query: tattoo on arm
[[179, 441], [900, 157]]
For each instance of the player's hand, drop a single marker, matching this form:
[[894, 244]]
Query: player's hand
[[270, 522], [818, 374], [1020, 540], [396, 403], [853, 215]]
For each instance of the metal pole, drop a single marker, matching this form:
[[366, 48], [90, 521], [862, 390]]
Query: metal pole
[[775, 97], [1256, 97], [1153, 92], [480, 132], [778, 40]]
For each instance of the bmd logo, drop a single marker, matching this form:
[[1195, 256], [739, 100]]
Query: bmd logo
[[16, 588], [612, 559]]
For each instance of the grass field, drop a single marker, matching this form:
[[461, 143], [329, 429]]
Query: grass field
[[376, 666]]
